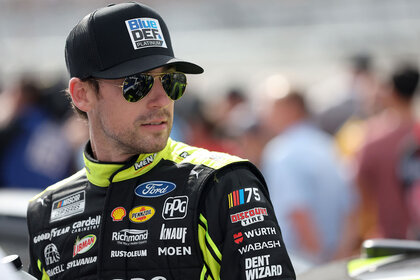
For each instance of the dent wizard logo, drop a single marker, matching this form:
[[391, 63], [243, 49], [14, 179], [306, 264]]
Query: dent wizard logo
[[154, 189]]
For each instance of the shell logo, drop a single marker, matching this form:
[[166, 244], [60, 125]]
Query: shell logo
[[118, 214], [141, 214]]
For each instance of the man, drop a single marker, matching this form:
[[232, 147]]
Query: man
[[311, 197], [378, 162], [145, 206]]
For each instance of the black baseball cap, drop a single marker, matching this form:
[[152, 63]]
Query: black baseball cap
[[121, 40]]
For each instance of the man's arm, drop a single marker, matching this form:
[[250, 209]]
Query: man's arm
[[238, 230]]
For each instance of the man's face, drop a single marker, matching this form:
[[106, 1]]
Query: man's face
[[131, 128]]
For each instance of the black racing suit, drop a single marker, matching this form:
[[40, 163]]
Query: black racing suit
[[182, 213]]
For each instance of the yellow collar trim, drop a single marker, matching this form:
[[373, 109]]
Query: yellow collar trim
[[100, 173]]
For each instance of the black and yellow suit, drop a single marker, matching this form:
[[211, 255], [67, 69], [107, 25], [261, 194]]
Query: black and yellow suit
[[182, 213]]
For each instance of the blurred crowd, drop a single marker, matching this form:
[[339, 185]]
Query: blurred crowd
[[337, 176]]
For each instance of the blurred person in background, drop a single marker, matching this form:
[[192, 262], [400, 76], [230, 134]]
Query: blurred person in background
[[355, 95], [34, 151], [408, 173], [312, 195], [378, 160]]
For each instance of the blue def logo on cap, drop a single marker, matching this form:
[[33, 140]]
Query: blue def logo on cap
[[154, 189], [145, 33]]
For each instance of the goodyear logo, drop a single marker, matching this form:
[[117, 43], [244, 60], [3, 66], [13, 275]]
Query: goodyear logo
[[145, 33], [118, 214], [141, 214]]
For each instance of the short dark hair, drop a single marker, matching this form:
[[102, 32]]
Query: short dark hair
[[95, 85], [405, 80]]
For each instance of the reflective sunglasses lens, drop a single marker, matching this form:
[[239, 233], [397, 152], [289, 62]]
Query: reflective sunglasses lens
[[174, 84], [136, 87]]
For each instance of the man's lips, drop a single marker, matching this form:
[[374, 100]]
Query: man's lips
[[155, 122]]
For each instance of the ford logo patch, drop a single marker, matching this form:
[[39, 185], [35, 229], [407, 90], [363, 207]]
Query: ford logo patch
[[154, 188]]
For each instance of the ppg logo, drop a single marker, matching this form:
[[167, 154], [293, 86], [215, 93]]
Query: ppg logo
[[175, 207]]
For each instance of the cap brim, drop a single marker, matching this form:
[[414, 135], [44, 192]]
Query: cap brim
[[147, 63]]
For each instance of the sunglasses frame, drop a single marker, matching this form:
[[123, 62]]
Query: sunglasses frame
[[153, 75]]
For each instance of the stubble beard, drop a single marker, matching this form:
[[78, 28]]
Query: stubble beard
[[132, 142]]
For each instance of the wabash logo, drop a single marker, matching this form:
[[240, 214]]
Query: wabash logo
[[145, 33], [175, 207]]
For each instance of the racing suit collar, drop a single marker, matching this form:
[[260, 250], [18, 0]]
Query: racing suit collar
[[103, 173]]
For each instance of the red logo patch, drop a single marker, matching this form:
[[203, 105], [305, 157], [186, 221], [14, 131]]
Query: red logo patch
[[238, 238], [118, 214]]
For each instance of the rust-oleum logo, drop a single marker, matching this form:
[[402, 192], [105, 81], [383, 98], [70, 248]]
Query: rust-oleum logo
[[154, 189], [141, 214]]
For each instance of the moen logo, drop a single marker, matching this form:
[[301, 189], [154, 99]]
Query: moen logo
[[141, 214], [145, 32], [154, 189], [83, 245], [118, 214]]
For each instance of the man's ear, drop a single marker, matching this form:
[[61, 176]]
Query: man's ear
[[81, 94]]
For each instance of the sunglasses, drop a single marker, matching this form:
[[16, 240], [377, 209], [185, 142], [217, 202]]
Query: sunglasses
[[136, 87]]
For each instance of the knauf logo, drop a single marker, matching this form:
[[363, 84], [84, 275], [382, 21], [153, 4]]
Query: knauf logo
[[145, 33]]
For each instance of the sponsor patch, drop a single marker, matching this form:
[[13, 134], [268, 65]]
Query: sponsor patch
[[88, 224], [68, 206], [51, 254], [238, 237], [118, 214], [250, 216], [141, 214], [54, 232], [129, 237], [154, 189], [175, 233], [175, 208], [81, 262], [55, 270], [145, 33], [184, 155], [257, 246], [83, 245], [243, 196], [259, 268], [148, 160], [174, 251], [128, 254], [256, 232]]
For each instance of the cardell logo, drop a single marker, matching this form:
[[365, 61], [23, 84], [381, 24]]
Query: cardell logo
[[154, 189]]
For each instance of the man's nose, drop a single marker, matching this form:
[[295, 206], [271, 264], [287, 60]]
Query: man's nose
[[157, 96]]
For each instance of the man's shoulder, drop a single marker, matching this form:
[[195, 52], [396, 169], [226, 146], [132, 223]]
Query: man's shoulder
[[59, 187], [184, 153]]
